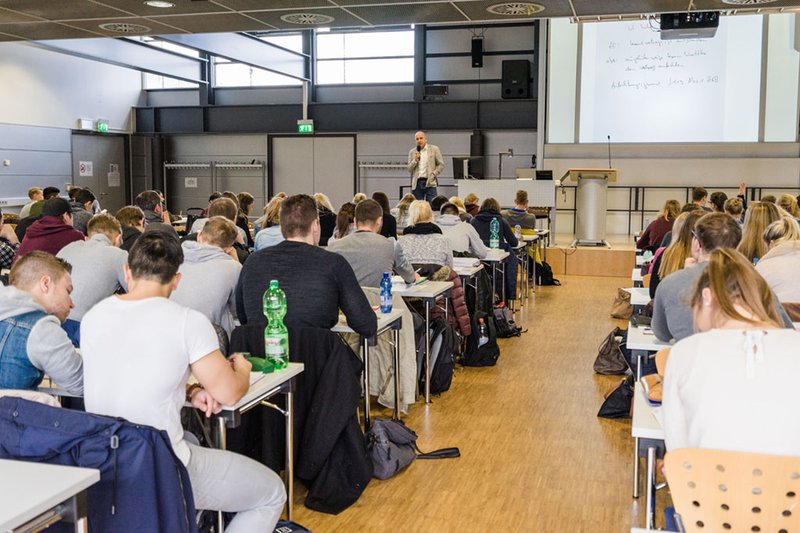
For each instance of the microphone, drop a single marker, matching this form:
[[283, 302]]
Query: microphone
[[419, 148], [609, 151]]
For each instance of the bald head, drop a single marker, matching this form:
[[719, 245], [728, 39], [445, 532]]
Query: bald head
[[421, 139]]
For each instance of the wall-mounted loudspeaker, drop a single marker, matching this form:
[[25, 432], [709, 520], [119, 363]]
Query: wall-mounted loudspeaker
[[477, 53], [516, 79]]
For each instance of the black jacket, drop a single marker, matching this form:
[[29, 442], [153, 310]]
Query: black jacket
[[481, 223], [327, 223], [389, 227], [129, 236], [330, 454]]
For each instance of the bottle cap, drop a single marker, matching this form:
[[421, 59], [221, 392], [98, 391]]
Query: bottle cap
[[273, 283]]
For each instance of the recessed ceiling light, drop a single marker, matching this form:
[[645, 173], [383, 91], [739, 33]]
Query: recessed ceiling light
[[125, 27], [515, 9], [306, 19], [159, 3]]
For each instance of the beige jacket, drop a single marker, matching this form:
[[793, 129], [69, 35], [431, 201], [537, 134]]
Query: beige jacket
[[435, 166], [780, 267]]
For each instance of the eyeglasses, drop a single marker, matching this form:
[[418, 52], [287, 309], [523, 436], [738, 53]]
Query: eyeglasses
[[694, 235]]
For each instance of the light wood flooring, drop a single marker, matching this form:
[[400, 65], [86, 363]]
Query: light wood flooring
[[534, 455]]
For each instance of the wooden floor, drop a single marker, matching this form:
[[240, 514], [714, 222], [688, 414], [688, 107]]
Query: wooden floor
[[534, 455]]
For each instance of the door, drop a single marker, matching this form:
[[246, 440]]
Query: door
[[99, 163]]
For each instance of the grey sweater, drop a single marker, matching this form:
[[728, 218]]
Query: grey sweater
[[462, 236], [97, 272], [370, 255], [672, 313]]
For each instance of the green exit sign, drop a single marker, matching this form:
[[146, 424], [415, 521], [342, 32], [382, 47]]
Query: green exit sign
[[305, 126], [102, 126]]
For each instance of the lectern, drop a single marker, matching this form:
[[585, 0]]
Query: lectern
[[590, 204]]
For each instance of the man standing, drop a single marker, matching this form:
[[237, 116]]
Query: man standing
[[425, 163]]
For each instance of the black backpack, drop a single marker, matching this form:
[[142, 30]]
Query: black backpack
[[444, 345], [481, 299], [504, 323], [544, 274], [487, 354]]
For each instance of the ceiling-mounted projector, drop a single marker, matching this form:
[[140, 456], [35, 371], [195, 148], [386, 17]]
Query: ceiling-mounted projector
[[692, 25]]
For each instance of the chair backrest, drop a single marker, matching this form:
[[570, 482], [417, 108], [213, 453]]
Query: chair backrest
[[661, 360], [646, 280], [716, 490]]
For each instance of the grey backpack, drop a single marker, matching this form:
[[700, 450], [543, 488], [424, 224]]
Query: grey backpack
[[392, 446]]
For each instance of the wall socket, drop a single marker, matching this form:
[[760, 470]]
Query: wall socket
[[6, 162]]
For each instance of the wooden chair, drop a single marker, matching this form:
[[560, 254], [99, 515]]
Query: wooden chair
[[715, 490], [646, 281], [661, 360]]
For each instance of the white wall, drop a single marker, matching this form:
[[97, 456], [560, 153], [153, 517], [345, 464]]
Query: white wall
[[44, 88]]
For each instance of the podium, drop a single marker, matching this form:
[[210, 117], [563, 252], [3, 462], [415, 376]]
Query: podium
[[590, 204]]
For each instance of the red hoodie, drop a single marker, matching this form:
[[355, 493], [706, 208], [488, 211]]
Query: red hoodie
[[48, 234]]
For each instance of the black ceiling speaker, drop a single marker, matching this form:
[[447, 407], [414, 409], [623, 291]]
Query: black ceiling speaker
[[477, 52]]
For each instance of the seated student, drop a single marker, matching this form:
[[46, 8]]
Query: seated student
[[423, 241], [437, 203], [734, 208], [52, 231], [327, 218], [8, 244], [260, 222], [82, 209], [131, 219], [519, 213], [462, 210], [358, 198], [788, 203], [463, 238], [655, 231], [345, 222], [213, 196], [35, 212], [139, 349], [317, 283], [490, 210], [717, 201], [36, 195], [672, 316], [389, 224], [369, 253], [700, 198], [756, 219], [97, 269], [400, 212], [674, 256], [733, 386], [32, 342], [781, 263], [241, 221], [246, 202], [209, 273], [270, 232], [471, 204], [154, 216], [222, 207], [769, 198]]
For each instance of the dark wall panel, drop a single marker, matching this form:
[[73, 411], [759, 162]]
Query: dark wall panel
[[145, 120], [180, 119], [364, 117], [448, 115], [519, 114], [272, 119]]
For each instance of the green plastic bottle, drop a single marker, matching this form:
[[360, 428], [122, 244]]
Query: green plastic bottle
[[276, 337]]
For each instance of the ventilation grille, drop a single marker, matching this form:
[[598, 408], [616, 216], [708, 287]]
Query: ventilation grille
[[515, 9], [747, 2], [306, 19], [125, 27]]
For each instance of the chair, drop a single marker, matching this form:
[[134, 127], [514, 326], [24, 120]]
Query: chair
[[192, 214], [661, 360], [715, 490], [646, 281]]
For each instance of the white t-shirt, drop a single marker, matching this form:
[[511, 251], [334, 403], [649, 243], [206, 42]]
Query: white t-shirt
[[734, 390], [136, 357], [422, 165]]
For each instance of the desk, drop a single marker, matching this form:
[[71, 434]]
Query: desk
[[637, 278], [642, 345], [640, 296], [393, 321], [495, 257], [281, 381], [647, 433], [428, 292], [639, 260], [35, 495], [467, 274]]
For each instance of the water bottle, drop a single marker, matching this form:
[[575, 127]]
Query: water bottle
[[494, 234], [276, 338], [386, 294], [518, 232], [483, 333], [755, 261]]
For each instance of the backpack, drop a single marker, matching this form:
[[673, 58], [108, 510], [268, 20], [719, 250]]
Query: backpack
[[392, 446], [487, 354], [504, 323], [480, 299], [544, 274], [444, 346], [610, 360]]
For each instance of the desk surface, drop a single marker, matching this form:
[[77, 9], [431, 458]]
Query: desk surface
[[639, 260], [468, 271], [644, 425], [29, 489], [384, 321], [637, 340], [429, 289], [531, 238], [265, 384], [636, 275], [639, 295], [495, 254]]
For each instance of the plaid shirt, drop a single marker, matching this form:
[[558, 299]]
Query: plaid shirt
[[7, 251]]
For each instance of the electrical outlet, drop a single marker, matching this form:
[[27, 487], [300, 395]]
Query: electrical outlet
[[6, 162]]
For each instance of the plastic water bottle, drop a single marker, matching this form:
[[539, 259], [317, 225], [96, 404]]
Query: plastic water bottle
[[518, 232], [483, 333], [386, 293], [755, 261], [494, 234], [276, 337]]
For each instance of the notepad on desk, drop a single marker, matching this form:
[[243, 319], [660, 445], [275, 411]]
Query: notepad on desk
[[466, 262]]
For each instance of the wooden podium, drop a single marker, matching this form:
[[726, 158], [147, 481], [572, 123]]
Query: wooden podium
[[591, 201]]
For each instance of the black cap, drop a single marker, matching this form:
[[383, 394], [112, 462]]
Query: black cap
[[55, 207]]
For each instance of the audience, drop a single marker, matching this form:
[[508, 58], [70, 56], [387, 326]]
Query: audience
[[471, 204], [463, 237], [82, 209], [209, 273], [270, 234], [52, 231], [246, 202], [717, 201], [462, 211], [317, 283], [224, 207], [35, 194], [369, 253], [97, 269], [700, 198], [733, 386], [345, 222], [788, 203], [423, 241], [400, 212], [437, 203], [32, 309], [658, 228], [148, 386], [327, 217], [756, 219], [150, 204], [781, 264], [675, 255], [734, 207], [769, 198], [8, 244], [519, 213], [389, 226], [35, 212], [131, 218], [490, 209], [358, 198], [213, 196], [261, 222]]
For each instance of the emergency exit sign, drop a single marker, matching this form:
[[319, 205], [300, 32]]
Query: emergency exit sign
[[305, 126]]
